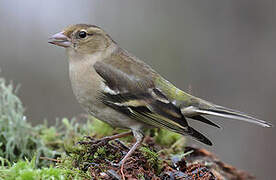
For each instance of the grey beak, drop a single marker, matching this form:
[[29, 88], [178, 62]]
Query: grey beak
[[60, 39]]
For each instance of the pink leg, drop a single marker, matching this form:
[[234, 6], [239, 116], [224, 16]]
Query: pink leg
[[139, 136]]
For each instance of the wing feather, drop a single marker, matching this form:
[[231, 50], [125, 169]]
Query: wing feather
[[137, 97]]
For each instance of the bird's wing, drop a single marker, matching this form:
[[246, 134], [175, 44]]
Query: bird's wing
[[194, 107], [134, 93]]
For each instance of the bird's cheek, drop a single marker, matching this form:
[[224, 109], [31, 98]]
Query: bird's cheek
[[74, 43]]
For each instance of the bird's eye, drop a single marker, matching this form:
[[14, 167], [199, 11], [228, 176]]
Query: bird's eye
[[82, 34]]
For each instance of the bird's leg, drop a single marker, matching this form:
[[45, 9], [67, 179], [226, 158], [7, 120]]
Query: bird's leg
[[106, 139], [139, 136]]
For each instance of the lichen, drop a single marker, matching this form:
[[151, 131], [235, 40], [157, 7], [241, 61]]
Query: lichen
[[18, 139]]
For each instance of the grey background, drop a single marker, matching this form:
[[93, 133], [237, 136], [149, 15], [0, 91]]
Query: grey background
[[222, 51]]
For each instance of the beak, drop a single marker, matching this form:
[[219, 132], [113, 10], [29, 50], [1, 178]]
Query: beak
[[60, 39]]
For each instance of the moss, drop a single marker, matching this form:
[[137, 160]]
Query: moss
[[166, 138], [140, 177], [100, 129], [152, 159], [49, 134], [68, 164], [26, 170], [100, 153]]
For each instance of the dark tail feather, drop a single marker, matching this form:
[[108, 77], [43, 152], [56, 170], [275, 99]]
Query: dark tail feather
[[204, 120], [198, 136]]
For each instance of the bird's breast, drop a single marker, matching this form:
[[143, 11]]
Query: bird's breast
[[85, 82]]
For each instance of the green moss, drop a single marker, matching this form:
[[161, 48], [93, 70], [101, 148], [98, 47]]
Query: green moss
[[100, 129], [166, 138], [100, 153], [49, 134], [71, 170], [140, 177], [152, 158], [26, 170]]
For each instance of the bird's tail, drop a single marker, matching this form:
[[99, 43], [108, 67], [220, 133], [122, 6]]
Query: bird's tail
[[225, 112], [197, 135]]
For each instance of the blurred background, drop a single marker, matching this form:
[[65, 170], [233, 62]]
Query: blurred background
[[222, 51]]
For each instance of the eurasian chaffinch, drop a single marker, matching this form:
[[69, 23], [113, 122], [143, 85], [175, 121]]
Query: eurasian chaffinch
[[123, 91]]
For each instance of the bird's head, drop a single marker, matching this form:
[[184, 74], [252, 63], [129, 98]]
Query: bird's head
[[82, 39]]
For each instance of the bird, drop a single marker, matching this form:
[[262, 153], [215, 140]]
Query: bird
[[120, 89]]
